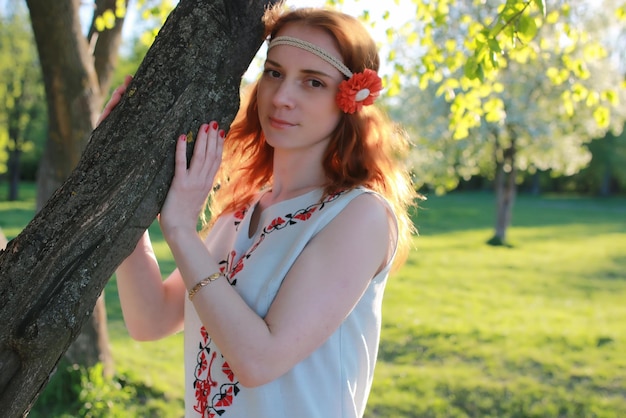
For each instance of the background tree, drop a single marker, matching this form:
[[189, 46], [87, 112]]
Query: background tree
[[21, 91], [528, 107], [530, 132], [77, 71]]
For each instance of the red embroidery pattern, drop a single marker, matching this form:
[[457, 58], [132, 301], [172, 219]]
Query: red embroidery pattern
[[239, 215], [212, 401], [282, 222]]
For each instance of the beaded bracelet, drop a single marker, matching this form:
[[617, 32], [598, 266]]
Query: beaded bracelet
[[204, 282]]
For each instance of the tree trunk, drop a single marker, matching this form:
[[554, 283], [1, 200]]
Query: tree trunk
[[53, 272], [505, 189], [14, 173], [105, 44], [535, 185], [72, 90], [16, 136], [605, 181], [92, 344]]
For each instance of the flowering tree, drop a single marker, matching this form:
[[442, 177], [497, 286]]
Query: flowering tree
[[503, 86]]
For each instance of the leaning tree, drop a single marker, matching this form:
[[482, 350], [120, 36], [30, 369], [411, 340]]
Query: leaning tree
[[53, 272]]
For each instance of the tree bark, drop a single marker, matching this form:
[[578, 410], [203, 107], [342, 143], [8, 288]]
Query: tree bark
[[605, 181], [52, 273], [14, 173], [505, 189]]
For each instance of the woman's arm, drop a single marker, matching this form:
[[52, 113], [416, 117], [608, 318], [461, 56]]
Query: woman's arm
[[152, 308]]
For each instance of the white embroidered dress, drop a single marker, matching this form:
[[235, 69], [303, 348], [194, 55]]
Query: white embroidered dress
[[335, 380]]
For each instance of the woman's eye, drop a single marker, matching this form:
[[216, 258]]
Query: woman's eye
[[315, 83], [272, 73]]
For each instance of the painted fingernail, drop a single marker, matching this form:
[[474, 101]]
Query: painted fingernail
[[221, 133], [214, 125], [183, 137], [206, 128]]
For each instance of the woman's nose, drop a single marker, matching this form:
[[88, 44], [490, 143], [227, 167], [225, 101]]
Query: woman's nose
[[284, 94]]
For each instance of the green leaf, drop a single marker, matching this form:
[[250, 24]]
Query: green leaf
[[99, 24], [109, 18], [526, 28], [120, 8], [393, 87], [611, 96], [471, 68], [602, 115], [494, 45], [541, 6]]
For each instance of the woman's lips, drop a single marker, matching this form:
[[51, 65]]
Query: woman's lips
[[279, 123]]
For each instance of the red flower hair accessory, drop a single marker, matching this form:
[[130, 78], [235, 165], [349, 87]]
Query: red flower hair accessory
[[359, 90]]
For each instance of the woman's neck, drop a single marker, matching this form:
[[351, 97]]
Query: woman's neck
[[295, 176]]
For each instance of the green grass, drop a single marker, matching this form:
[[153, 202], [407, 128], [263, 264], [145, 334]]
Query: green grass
[[537, 329]]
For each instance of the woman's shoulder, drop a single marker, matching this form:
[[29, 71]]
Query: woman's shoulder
[[363, 199], [368, 206], [365, 225]]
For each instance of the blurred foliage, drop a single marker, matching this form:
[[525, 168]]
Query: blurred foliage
[[153, 14], [22, 100], [75, 391], [107, 19]]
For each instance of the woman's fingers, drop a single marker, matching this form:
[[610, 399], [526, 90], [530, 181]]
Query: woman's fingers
[[199, 148], [206, 155], [192, 184], [180, 157], [219, 148], [206, 159]]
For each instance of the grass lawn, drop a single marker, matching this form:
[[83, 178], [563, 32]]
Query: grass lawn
[[537, 329]]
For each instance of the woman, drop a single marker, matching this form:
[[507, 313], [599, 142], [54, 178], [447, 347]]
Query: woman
[[281, 301]]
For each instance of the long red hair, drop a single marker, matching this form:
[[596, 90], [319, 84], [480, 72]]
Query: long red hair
[[366, 148]]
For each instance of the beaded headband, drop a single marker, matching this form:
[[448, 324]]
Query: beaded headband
[[360, 89]]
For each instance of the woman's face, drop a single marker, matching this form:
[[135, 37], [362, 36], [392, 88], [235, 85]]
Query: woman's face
[[296, 93]]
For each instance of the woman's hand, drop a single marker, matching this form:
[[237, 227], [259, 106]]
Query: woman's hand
[[115, 99], [191, 186]]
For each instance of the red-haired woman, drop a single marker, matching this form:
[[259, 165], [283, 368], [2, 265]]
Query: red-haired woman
[[280, 298]]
